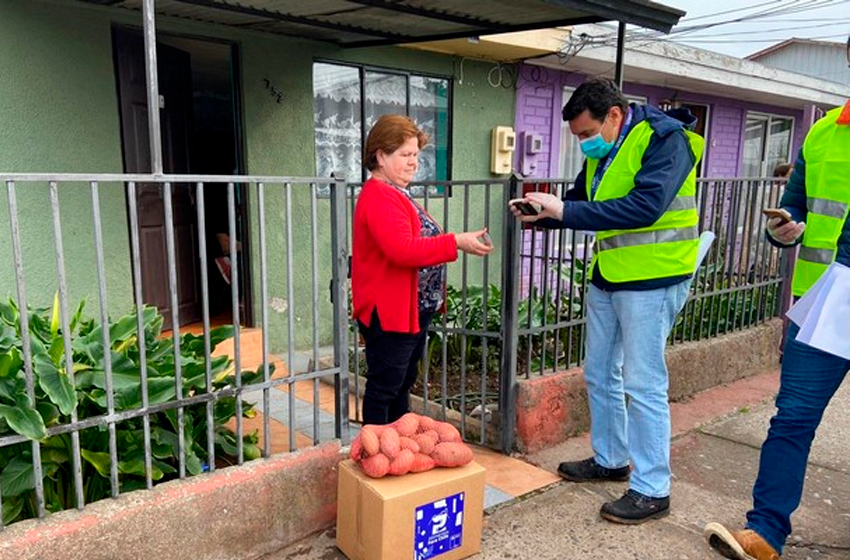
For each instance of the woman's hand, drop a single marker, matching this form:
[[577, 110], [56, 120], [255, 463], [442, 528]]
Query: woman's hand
[[787, 233], [547, 206], [469, 242]]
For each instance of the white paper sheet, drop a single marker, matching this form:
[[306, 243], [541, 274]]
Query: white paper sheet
[[825, 318], [800, 310], [706, 238]]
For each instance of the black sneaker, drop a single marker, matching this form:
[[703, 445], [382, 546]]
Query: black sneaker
[[589, 471], [634, 508]]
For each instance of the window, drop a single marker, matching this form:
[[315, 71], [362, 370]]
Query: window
[[571, 158], [342, 118], [767, 142]]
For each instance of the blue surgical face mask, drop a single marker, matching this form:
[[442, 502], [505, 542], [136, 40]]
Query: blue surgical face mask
[[596, 147]]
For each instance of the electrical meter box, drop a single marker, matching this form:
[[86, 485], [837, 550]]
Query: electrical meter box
[[502, 146]]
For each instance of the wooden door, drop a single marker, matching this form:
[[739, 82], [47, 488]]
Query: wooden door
[[175, 118]]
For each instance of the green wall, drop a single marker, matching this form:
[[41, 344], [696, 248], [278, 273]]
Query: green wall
[[60, 114]]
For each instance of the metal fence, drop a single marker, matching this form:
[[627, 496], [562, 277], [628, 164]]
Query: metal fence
[[95, 408], [530, 319], [738, 285]]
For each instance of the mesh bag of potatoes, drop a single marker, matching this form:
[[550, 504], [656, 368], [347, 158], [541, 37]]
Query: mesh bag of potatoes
[[412, 444]]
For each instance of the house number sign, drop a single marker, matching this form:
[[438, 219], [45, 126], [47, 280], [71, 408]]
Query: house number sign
[[273, 91]]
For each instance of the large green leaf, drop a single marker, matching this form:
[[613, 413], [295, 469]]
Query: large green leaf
[[90, 347], [8, 337], [12, 508], [9, 312], [134, 464], [137, 467], [10, 362], [159, 351], [56, 350], [16, 478], [195, 343], [23, 418], [120, 331], [83, 379], [98, 460], [54, 455], [163, 443], [120, 381], [38, 348], [56, 385], [193, 462], [160, 390], [226, 440]]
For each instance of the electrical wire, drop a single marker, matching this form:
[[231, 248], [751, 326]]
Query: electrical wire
[[732, 41], [775, 30], [771, 13], [796, 6]]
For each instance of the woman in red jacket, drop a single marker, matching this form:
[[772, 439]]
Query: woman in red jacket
[[398, 273]]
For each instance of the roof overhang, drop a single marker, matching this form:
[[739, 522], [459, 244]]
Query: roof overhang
[[360, 23], [680, 67], [503, 47]]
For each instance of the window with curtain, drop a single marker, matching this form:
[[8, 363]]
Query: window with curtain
[[348, 100]]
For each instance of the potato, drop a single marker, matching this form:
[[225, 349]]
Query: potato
[[451, 454]]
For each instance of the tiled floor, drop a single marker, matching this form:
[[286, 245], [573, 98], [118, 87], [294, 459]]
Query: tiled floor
[[506, 477]]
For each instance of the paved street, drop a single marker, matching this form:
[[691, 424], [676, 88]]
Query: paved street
[[714, 467]]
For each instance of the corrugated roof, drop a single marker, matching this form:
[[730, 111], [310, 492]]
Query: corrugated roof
[[358, 23]]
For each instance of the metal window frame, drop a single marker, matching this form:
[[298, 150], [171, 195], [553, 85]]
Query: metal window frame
[[363, 68]]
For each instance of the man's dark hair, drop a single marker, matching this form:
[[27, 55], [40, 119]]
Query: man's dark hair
[[597, 96]]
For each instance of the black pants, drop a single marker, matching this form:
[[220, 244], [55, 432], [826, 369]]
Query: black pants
[[392, 365]]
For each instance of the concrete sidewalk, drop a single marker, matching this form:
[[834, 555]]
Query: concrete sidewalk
[[717, 436]]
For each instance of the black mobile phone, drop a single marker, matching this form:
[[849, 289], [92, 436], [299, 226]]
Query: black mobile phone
[[526, 208]]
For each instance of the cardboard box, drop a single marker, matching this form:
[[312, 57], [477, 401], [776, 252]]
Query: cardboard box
[[434, 514]]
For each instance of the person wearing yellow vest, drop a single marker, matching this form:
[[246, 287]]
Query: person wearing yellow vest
[[636, 191], [818, 198]]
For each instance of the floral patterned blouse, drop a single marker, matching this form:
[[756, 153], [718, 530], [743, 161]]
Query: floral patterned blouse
[[432, 279]]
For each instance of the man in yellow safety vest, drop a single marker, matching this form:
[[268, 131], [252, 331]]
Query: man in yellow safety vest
[[636, 191], [818, 198]]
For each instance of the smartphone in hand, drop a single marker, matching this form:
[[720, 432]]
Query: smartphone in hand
[[526, 208], [781, 213]]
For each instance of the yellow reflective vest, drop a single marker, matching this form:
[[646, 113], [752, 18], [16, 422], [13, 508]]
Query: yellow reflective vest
[[826, 152], [666, 248]]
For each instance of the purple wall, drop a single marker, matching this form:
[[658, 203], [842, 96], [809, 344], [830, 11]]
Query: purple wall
[[539, 103], [540, 98]]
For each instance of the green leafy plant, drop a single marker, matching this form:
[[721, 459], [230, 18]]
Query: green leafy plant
[[479, 310], [56, 398], [724, 312]]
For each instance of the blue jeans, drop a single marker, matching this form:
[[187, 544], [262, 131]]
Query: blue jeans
[[808, 380], [626, 339]]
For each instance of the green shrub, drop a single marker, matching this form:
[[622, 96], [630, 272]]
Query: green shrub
[[56, 399]]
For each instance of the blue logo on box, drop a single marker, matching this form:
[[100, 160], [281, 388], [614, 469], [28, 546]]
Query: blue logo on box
[[439, 527]]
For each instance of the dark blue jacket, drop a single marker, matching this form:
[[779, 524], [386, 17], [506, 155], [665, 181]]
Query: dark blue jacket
[[667, 162], [794, 200]]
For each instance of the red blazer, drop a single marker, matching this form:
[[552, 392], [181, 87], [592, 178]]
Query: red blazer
[[387, 253]]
